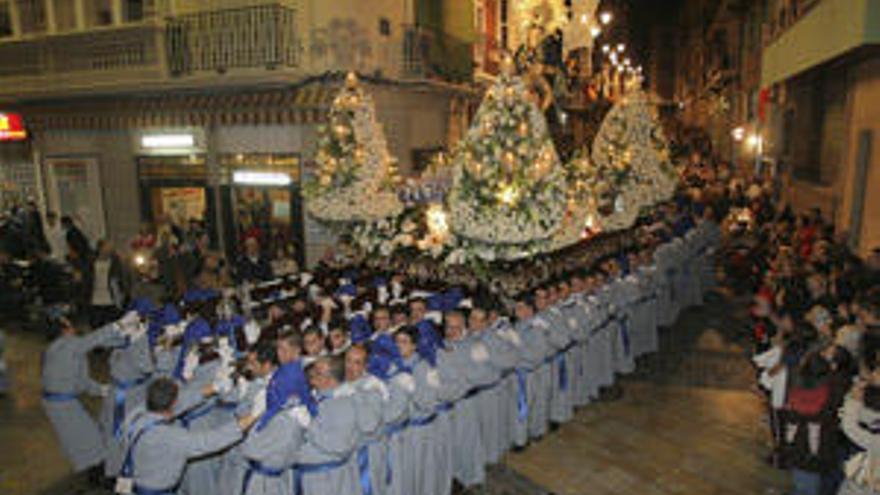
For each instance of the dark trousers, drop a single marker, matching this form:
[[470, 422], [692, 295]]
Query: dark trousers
[[102, 315]]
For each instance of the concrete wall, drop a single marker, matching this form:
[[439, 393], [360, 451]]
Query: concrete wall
[[865, 115], [115, 156]]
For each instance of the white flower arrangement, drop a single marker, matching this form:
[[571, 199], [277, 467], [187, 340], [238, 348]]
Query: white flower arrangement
[[358, 185]]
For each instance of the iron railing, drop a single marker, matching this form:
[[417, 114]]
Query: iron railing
[[259, 36]]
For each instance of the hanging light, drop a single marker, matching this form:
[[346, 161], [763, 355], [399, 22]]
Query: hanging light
[[595, 31], [621, 47], [738, 134], [606, 48], [437, 220], [605, 18]]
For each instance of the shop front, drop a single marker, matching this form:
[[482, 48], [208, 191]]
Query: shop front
[[261, 199]]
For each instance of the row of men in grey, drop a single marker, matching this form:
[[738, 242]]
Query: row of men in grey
[[491, 389]]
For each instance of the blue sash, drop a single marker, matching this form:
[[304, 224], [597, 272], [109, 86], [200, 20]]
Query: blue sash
[[59, 397], [256, 467], [198, 412], [522, 401], [140, 490], [119, 400], [302, 469], [563, 371], [363, 460]]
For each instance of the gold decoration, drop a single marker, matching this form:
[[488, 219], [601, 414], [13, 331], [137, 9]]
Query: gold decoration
[[508, 194], [508, 66], [351, 80], [523, 129]]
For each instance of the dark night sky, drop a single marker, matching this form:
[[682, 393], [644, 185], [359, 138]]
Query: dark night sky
[[643, 14]]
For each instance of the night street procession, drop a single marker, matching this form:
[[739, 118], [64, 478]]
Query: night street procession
[[439, 247]]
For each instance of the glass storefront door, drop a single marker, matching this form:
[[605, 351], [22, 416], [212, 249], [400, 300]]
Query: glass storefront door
[[74, 189], [263, 202], [175, 190]]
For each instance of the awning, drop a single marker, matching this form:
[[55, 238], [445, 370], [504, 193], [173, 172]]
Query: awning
[[289, 105]]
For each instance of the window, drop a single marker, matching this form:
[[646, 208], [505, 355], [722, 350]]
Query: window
[[5, 20], [133, 10], [65, 15], [504, 17], [99, 12], [384, 26], [32, 16]]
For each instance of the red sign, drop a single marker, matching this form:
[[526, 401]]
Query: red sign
[[11, 127]]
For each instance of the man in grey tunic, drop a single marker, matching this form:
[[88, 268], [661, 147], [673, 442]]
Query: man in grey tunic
[[158, 449], [534, 375], [327, 465], [65, 376], [131, 366], [470, 357]]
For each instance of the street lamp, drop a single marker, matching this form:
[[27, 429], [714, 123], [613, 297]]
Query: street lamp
[[605, 18]]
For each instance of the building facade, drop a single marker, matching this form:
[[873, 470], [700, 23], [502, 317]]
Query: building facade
[[821, 69], [793, 84], [143, 110]]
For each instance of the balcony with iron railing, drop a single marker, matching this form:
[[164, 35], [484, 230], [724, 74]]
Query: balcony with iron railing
[[256, 43]]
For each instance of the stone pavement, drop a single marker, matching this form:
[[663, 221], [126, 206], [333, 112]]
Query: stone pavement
[[686, 423]]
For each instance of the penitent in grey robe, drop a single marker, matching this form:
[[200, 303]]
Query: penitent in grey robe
[[416, 446], [233, 464], [559, 335], [328, 464], [534, 350], [496, 420], [202, 474], [470, 357], [131, 367], [65, 376], [371, 397], [161, 454], [449, 422], [576, 314], [270, 454], [599, 361], [395, 414]]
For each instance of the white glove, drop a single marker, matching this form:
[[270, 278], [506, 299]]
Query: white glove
[[435, 316], [301, 415], [512, 337], [190, 364], [405, 381], [129, 320], [241, 388], [479, 353], [252, 332], [433, 379], [175, 330], [374, 384], [259, 406], [396, 290], [223, 381], [382, 294]]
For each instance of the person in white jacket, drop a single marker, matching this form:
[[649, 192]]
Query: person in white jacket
[[859, 419]]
